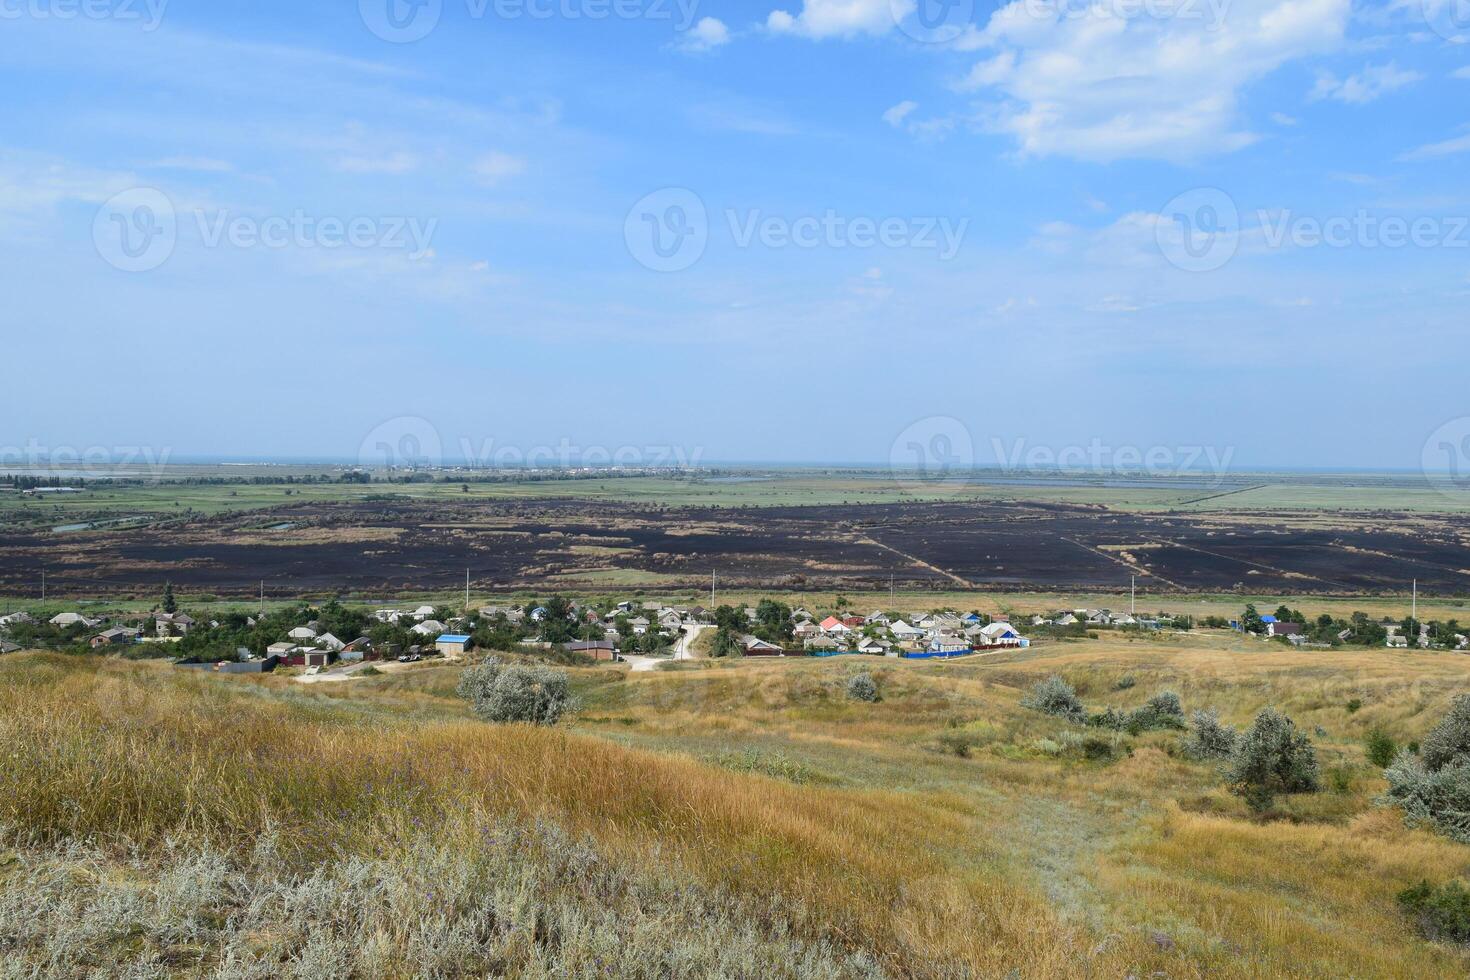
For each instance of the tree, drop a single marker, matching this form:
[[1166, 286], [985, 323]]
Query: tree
[[1380, 748], [1272, 757], [732, 619], [170, 605], [1250, 621], [1209, 739], [727, 643]]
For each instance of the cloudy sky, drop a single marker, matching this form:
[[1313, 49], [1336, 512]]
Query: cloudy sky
[[800, 231]]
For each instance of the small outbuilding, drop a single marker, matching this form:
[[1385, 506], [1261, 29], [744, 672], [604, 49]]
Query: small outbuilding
[[453, 644]]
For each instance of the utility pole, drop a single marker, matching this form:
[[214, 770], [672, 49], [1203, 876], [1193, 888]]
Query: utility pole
[[466, 591], [1133, 596], [1414, 615], [712, 590], [43, 586], [262, 597]]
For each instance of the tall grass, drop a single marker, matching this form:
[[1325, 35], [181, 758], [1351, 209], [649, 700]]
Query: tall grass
[[130, 755], [750, 821]]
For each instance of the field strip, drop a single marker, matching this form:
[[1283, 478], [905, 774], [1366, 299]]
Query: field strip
[[1217, 496], [1400, 558], [920, 563], [1134, 566], [1255, 564]]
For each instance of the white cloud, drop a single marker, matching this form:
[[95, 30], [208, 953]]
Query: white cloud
[[1109, 86], [706, 35], [494, 167], [1364, 86], [393, 164], [1433, 151], [895, 116], [1461, 73], [840, 18], [1282, 119], [205, 165]]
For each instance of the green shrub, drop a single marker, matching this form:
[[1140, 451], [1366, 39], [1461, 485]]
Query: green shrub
[[1111, 719], [1354, 706], [1380, 748], [1163, 710], [1442, 912], [958, 744], [862, 687], [1126, 682], [512, 693], [1272, 757], [1450, 739], [1099, 748], [369, 671], [1208, 739], [1054, 696]]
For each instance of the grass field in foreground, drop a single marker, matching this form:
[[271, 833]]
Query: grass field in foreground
[[735, 819]]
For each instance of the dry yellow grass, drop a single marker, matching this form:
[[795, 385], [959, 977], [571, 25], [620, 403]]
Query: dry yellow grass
[[867, 833]]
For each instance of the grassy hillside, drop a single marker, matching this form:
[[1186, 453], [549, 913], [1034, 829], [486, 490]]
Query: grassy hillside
[[728, 820]]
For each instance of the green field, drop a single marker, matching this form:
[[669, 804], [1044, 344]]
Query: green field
[[103, 501]]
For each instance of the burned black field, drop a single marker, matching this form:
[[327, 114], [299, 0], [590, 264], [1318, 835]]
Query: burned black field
[[415, 546]]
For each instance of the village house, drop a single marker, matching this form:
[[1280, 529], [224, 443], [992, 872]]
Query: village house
[[453, 644], [1001, 635], [15, 619], [117, 636], [756, 647], [603, 650], [429, 627], [71, 619], [833, 626], [173, 624]]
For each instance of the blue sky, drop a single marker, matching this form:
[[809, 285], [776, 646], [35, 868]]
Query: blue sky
[[1058, 225]]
